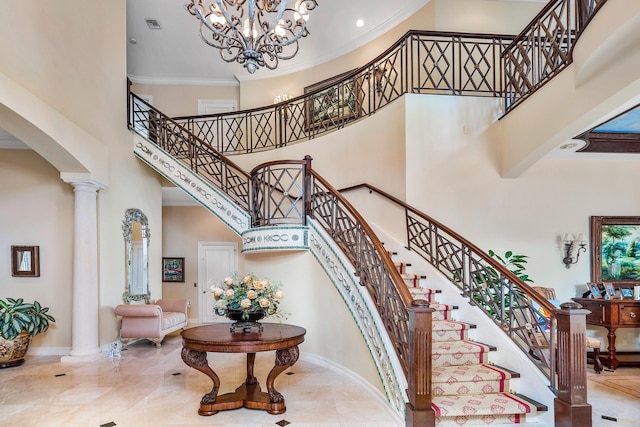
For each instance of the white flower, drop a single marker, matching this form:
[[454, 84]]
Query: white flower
[[229, 293], [247, 279], [252, 294], [216, 291], [258, 285], [245, 303], [228, 281], [221, 303], [264, 303], [279, 294]]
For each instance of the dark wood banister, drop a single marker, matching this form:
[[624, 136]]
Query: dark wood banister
[[531, 293], [407, 298]]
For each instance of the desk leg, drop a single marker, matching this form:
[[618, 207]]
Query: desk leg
[[198, 360], [611, 361], [284, 359]]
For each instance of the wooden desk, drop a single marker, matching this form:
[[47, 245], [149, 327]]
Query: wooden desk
[[613, 314], [216, 338]]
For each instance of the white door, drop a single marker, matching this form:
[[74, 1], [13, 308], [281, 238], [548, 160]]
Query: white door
[[216, 260]]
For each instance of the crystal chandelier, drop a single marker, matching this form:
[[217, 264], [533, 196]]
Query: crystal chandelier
[[255, 33]]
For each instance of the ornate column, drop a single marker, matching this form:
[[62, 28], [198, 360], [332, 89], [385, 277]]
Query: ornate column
[[84, 329]]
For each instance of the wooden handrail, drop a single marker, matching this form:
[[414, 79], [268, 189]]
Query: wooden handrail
[[531, 293]]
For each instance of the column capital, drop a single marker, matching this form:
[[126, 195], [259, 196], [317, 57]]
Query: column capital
[[82, 183]]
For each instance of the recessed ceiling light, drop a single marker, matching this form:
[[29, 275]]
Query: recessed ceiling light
[[359, 23], [568, 146], [153, 24]]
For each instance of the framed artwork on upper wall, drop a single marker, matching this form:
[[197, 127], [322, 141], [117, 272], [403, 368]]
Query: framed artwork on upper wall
[[615, 250], [172, 269], [340, 101], [25, 261]]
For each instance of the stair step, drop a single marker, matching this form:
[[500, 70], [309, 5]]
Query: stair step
[[450, 353], [495, 408], [471, 379], [450, 330]]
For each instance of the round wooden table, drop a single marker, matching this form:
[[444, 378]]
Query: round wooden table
[[217, 338]]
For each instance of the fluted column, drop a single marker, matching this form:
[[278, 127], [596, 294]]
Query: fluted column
[[84, 328]]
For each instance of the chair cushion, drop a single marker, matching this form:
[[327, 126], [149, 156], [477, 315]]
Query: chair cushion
[[172, 318], [593, 342]]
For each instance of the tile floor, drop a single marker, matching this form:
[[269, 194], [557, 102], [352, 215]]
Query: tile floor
[[153, 387]]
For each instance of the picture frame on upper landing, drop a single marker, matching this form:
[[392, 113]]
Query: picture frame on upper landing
[[339, 102], [172, 269], [25, 261], [615, 250]]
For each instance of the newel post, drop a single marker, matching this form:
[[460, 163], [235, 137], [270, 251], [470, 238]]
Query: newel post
[[308, 187], [571, 406], [418, 410]]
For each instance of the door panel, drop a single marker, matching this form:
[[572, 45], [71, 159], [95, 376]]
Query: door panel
[[215, 262]]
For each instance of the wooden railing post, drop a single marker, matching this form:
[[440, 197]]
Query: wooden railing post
[[571, 407], [418, 412], [308, 190]]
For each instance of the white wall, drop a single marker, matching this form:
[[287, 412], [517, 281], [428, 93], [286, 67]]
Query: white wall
[[453, 177]]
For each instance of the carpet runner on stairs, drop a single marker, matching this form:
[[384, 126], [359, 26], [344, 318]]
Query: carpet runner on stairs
[[467, 389]]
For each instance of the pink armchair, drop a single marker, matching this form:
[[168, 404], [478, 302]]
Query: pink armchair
[[152, 321]]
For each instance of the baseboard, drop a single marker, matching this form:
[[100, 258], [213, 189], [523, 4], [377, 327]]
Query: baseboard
[[49, 351], [341, 370]]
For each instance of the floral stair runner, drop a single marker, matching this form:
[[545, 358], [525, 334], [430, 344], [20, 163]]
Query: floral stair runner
[[467, 391]]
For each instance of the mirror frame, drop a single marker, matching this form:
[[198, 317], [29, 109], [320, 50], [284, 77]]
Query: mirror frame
[[130, 216]]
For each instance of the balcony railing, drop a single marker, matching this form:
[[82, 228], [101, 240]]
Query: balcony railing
[[426, 62], [421, 62]]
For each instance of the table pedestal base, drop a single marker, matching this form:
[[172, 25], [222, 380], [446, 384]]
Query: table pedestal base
[[248, 396]]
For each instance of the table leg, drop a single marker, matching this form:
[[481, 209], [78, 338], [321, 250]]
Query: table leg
[[198, 360], [285, 358], [251, 379]]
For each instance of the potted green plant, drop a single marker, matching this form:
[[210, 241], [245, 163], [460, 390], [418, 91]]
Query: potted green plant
[[19, 322]]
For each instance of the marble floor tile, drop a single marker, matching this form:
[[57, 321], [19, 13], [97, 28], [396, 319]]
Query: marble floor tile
[[148, 387]]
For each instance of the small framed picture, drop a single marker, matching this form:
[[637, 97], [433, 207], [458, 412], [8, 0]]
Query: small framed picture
[[610, 291], [595, 292], [25, 261], [172, 269], [627, 293]]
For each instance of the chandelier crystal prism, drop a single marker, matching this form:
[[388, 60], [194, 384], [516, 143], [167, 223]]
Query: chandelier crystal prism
[[254, 33]]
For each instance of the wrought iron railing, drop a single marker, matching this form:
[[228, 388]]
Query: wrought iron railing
[[286, 192], [522, 313], [425, 62], [194, 153], [543, 48]]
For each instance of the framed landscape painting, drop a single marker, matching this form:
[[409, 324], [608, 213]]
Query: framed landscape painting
[[339, 102], [615, 250]]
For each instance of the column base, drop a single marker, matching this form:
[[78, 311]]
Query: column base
[[81, 358]]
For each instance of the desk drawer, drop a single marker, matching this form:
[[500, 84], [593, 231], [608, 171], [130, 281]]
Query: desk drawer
[[629, 314]]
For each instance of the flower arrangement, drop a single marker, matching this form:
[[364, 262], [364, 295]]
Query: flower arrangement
[[248, 293]]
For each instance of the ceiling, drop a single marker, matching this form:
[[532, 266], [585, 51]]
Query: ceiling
[[332, 28]]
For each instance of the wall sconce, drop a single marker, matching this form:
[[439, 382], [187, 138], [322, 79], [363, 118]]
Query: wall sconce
[[571, 242], [380, 75], [282, 98]]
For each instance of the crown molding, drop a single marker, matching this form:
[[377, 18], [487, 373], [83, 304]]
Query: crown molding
[[180, 81]]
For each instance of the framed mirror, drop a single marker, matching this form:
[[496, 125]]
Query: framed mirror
[[136, 233]]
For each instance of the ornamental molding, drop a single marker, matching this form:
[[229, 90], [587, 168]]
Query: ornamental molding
[[208, 196], [344, 278], [278, 238]]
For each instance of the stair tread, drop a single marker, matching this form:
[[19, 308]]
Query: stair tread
[[498, 404], [482, 372], [444, 347], [450, 325]]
